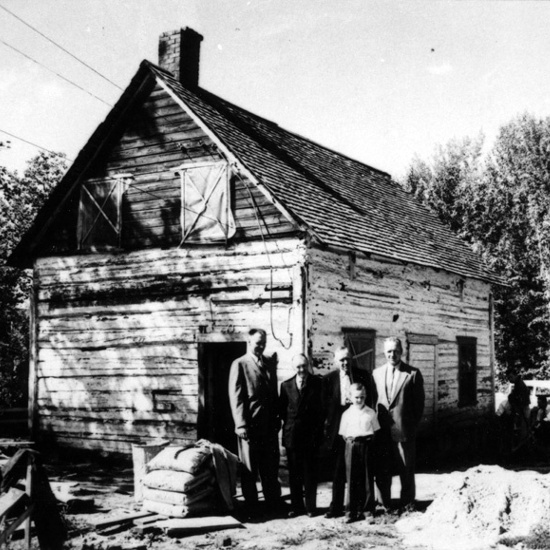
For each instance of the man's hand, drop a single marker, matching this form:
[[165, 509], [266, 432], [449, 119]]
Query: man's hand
[[242, 433]]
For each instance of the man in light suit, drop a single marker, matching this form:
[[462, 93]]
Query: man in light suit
[[400, 406], [253, 398], [337, 399], [301, 410]]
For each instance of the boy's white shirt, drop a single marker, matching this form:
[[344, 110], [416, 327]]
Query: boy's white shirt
[[358, 422]]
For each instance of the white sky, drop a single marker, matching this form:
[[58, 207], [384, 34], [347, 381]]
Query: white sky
[[378, 81]]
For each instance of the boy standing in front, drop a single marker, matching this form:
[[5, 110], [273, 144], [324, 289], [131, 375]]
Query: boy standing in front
[[357, 427]]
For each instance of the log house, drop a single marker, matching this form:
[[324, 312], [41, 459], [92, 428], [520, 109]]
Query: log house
[[184, 221]]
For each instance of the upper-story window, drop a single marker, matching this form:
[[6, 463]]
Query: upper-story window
[[206, 203], [100, 214]]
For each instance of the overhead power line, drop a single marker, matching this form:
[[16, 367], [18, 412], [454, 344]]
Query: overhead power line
[[33, 144], [60, 47], [54, 72]]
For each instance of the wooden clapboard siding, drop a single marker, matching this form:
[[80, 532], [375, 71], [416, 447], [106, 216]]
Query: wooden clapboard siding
[[395, 299], [149, 146], [116, 333]]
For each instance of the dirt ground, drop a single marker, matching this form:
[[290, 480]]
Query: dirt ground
[[267, 532], [112, 488]]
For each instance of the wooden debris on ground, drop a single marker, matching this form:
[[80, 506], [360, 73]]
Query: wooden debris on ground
[[123, 518], [147, 522], [184, 527]]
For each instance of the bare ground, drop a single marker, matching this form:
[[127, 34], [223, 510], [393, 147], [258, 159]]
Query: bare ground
[[112, 489]]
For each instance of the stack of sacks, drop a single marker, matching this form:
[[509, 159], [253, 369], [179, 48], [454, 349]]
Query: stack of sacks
[[180, 481]]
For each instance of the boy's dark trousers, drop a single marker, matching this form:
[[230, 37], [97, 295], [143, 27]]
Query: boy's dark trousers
[[359, 496]]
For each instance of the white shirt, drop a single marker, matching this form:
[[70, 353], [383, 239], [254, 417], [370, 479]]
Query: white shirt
[[300, 382], [358, 422]]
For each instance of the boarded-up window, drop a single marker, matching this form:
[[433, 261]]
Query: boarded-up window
[[361, 346], [422, 354], [467, 371], [99, 217], [206, 207]]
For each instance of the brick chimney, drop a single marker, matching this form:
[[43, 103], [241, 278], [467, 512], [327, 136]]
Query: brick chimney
[[179, 53]]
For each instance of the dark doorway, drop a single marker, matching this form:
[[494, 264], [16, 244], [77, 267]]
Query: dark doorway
[[215, 421]]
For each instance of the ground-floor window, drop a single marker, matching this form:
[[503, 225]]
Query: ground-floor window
[[467, 371], [360, 343]]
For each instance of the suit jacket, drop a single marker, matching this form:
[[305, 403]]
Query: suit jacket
[[302, 412], [400, 413], [333, 402], [253, 396]]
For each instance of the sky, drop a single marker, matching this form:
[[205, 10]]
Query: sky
[[379, 81]]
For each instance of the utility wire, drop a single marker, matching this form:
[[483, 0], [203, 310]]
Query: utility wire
[[31, 143], [60, 47], [55, 73]]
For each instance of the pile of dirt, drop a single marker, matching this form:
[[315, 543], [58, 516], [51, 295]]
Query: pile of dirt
[[481, 507]]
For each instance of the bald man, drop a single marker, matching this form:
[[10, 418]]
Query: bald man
[[301, 411]]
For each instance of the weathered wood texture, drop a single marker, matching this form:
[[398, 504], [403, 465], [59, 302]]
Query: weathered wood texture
[[156, 138], [397, 300], [117, 335]]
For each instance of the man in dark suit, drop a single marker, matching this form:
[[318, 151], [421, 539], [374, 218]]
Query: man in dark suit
[[400, 406], [253, 398], [301, 410], [337, 399]]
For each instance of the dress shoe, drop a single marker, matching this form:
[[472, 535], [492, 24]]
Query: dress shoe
[[332, 514], [352, 518]]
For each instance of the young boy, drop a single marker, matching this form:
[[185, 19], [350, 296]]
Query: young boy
[[357, 427]]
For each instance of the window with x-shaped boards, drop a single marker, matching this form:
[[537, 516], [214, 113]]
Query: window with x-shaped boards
[[129, 210], [206, 202]]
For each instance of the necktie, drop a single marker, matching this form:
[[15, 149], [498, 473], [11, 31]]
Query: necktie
[[393, 380]]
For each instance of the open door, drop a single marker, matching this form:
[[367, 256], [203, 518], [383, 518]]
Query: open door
[[215, 421]]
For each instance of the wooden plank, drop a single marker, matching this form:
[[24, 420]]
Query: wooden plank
[[101, 523], [182, 383], [11, 499], [177, 528]]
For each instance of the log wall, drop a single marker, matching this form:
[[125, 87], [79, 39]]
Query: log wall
[[117, 334], [427, 309]]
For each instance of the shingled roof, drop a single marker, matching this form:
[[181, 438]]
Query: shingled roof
[[342, 202]]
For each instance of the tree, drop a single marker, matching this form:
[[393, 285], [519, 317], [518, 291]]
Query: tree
[[20, 199], [446, 184], [517, 200], [500, 203]]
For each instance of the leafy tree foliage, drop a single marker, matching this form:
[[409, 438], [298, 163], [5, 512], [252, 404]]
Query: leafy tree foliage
[[500, 203], [20, 198]]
